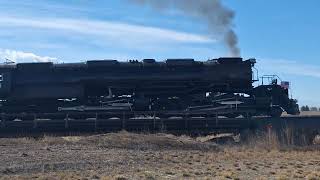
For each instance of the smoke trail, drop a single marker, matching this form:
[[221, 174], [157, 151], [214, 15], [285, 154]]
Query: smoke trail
[[218, 17]]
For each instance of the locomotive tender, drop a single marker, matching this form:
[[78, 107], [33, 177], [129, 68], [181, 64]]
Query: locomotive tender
[[221, 86]]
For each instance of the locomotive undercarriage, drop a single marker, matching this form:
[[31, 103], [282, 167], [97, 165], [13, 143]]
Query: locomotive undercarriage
[[136, 106]]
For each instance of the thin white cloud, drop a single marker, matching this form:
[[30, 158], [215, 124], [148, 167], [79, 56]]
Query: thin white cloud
[[289, 67], [106, 29], [20, 56]]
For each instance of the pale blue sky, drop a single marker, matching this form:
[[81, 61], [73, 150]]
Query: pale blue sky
[[282, 35]]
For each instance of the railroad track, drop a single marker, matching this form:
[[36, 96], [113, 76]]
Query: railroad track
[[198, 125]]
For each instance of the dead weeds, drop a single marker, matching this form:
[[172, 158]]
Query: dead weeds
[[152, 156]]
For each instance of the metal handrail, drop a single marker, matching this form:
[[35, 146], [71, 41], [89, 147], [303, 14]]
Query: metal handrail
[[270, 77]]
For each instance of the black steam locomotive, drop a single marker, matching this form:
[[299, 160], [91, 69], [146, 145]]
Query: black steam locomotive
[[221, 86]]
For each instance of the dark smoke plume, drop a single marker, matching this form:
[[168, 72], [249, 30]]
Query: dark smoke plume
[[218, 17]]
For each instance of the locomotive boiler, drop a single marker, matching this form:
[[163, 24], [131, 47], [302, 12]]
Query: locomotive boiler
[[223, 86]]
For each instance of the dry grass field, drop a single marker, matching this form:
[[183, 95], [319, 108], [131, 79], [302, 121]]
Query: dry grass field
[[152, 156], [305, 113]]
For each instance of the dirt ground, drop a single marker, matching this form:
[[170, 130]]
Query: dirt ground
[[151, 156]]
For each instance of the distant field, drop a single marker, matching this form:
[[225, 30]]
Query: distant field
[[306, 113], [146, 156], [310, 113]]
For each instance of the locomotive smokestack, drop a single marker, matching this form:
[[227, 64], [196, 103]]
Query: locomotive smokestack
[[218, 17]]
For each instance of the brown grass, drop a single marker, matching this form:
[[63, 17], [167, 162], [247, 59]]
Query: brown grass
[[305, 113], [155, 156]]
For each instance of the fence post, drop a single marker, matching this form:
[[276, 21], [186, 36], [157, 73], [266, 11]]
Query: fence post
[[66, 123], [123, 121], [95, 122], [3, 121], [35, 125]]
